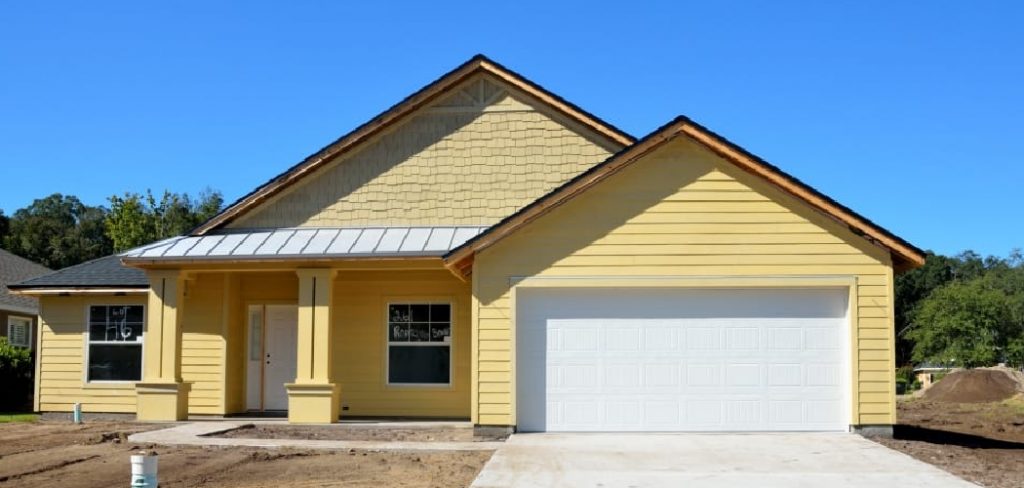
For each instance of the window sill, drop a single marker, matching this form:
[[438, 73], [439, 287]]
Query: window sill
[[117, 385]]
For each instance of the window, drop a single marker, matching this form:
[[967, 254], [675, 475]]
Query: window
[[419, 343], [19, 331], [115, 343]]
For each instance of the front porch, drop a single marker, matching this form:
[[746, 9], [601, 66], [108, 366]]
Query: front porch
[[359, 339]]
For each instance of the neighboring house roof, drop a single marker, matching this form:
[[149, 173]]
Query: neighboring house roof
[[105, 273], [476, 65], [905, 255], [12, 270], [306, 243]]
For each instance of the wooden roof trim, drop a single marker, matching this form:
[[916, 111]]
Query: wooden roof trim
[[751, 164], [402, 109], [460, 258]]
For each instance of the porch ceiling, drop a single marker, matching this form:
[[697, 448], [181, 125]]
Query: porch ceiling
[[308, 243]]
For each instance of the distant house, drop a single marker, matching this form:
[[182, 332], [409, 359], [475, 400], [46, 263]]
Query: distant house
[[18, 312]]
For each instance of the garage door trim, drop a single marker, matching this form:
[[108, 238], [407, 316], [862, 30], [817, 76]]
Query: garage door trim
[[849, 282]]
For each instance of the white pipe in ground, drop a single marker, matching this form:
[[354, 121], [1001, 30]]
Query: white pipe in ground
[[144, 467], [76, 415]]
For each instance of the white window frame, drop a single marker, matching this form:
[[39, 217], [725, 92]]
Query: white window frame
[[89, 342], [14, 320], [388, 343]]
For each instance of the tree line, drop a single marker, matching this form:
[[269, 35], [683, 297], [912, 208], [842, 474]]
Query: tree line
[[59, 230], [963, 310]]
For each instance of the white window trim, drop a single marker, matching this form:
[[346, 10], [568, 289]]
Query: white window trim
[[387, 342], [13, 320], [88, 342]]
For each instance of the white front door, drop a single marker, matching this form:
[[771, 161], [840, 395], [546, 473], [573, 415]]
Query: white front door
[[658, 359], [273, 347]]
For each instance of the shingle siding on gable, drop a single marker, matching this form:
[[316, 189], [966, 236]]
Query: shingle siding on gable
[[470, 159]]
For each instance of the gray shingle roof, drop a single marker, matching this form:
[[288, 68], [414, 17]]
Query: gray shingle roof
[[12, 270], [105, 272]]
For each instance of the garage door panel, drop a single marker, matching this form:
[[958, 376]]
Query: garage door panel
[[682, 360]]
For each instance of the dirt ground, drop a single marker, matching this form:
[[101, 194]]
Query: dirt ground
[[980, 442], [354, 432], [96, 455]]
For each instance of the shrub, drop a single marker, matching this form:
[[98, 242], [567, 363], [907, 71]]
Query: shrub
[[15, 377]]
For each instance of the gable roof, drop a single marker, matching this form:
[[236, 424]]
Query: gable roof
[[476, 65], [13, 269], [104, 273], [905, 255]]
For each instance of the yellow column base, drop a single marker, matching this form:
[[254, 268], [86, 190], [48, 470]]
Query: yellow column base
[[313, 403], [161, 401]]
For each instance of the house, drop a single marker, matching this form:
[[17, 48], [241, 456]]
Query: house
[[487, 250], [17, 312]]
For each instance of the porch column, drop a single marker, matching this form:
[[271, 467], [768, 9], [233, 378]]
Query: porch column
[[314, 398], [161, 395]]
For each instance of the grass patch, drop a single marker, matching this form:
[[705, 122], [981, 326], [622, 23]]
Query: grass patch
[[1016, 404], [18, 417]]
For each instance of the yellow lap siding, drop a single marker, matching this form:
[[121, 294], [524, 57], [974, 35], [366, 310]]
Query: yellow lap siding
[[360, 347], [682, 211], [61, 381]]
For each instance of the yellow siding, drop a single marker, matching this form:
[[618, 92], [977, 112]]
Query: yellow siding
[[360, 347], [682, 211], [203, 344], [471, 159], [62, 352]]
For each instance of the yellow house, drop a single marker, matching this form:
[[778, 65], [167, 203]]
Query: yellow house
[[486, 250]]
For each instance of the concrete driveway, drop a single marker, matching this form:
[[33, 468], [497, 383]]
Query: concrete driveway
[[706, 460]]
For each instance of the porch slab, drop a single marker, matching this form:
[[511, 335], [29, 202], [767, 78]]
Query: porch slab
[[197, 434]]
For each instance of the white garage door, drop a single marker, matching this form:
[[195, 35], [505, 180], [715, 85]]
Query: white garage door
[[605, 359]]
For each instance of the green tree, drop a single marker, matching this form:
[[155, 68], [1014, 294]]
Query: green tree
[[58, 231], [911, 288], [136, 219], [963, 323], [5, 226]]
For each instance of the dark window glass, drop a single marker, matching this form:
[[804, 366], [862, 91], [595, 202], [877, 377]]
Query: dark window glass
[[398, 332], [420, 313], [440, 312], [398, 313], [109, 362], [419, 333], [439, 332], [121, 323], [419, 364]]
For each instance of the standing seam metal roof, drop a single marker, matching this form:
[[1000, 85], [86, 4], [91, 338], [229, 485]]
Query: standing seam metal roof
[[310, 243]]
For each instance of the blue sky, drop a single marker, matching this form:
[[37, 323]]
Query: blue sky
[[911, 113]]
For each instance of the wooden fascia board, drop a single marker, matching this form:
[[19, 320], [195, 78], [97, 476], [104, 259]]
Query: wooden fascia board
[[913, 257], [398, 112]]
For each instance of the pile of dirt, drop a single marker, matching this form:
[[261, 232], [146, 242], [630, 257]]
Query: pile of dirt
[[975, 386]]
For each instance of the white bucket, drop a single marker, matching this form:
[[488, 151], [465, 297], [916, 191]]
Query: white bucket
[[144, 470]]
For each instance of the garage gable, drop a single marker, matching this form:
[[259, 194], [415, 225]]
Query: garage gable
[[905, 256], [682, 210]]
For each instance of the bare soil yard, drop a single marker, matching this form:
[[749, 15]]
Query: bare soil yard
[[980, 442], [95, 455]]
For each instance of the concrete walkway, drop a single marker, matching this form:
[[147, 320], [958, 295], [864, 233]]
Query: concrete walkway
[[706, 460], [192, 434]]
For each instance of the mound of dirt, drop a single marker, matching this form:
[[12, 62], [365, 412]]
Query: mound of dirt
[[975, 386]]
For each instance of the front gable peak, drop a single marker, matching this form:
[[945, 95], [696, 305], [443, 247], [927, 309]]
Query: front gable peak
[[479, 85]]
